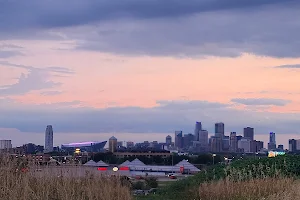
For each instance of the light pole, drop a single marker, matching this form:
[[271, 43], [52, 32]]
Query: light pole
[[214, 155]]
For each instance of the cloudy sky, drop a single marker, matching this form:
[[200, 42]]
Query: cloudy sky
[[142, 69]]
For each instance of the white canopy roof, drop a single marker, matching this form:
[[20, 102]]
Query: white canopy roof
[[136, 162], [187, 165], [90, 163], [101, 164], [126, 163]]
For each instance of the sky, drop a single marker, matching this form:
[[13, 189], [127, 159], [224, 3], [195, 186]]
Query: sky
[[140, 70]]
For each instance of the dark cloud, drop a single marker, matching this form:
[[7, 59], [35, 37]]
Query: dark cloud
[[51, 14], [296, 66], [165, 117], [154, 27], [261, 101]]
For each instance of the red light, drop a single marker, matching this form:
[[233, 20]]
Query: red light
[[124, 168], [102, 168]]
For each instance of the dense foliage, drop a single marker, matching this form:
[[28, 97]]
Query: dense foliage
[[242, 169]]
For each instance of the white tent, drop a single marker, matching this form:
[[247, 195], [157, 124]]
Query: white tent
[[136, 162], [125, 164], [90, 163], [101, 164], [187, 166]]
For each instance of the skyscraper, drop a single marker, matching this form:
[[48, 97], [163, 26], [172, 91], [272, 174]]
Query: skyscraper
[[219, 129], [168, 140], [233, 142], [272, 141], [219, 133], [48, 139], [178, 139], [112, 144], [198, 128], [292, 145], [249, 133]]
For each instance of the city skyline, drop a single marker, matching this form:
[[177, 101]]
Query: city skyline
[[115, 69], [48, 138]]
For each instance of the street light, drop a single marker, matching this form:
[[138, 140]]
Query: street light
[[214, 155]]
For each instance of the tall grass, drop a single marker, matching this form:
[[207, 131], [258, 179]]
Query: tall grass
[[250, 189], [16, 184]]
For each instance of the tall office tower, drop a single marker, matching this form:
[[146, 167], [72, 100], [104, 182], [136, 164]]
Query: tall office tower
[[188, 140], [112, 144], [168, 140], [219, 133], [5, 144], [198, 128], [249, 133], [233, 142], [219, 129], [272, 141], [48, 139], [203, 140], [292, 145], [178, 139], [256, 146]]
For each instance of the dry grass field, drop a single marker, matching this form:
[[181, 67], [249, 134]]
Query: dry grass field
[[18, 185]]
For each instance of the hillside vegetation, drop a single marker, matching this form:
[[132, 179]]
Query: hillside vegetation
[[243, 179]]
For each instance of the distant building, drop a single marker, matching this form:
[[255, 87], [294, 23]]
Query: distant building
[[233, 142], [272, 141], [215, 144], [198, 128], [219, 129], [188, 140], [84, 146], [292, 145], [225, 143], [249, 133], [244, 145], [178, 139], [129, 144], [5, 144], [280, 146], [239, 137], [168, 140], [203, 139], [256, 146], [48, 139], [112, 144], [120, 144]]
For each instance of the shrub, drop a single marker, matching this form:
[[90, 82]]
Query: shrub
[[139, 185], [151, 182]]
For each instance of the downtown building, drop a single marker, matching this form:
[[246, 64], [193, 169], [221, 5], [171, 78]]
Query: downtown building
[[48, 139], [178, 139], [249, 133], [272, 141]]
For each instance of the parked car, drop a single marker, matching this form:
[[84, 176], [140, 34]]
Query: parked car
[[172, 177]]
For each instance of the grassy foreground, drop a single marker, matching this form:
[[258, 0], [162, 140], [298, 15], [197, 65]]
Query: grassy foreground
[[16, 184], [267, 178]]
